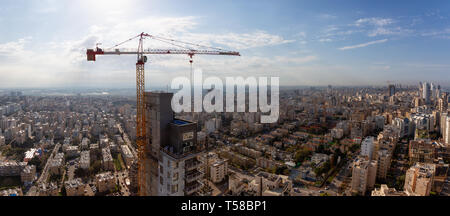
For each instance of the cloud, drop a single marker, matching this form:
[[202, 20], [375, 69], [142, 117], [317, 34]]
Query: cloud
[[181, 28], [301, 34], [325, 40], [376, 26], [296, 60], [445, 33], [363, 44], [63, 63], [435, 13], [327, 16], [390, 31], [374, 21], [336, 33], [46, 7], [46, 10], [239, 41], [380, 67], [14, 47], [331, 28]]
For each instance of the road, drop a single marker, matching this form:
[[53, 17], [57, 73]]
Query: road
[[122, 176], [44, 175], [127, 140], [313, 191]]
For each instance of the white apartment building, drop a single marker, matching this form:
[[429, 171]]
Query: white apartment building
[[384, 190], [384, 163], [179, 177], [419, 179], [48, 189], [447, 131], [108, 163], [337, 133], [218, 170], [85, 160], [75, 187], [267, 184], [105, 182], [28, 174], [127, 155], [363, 175], [368, 147], [55, 165]]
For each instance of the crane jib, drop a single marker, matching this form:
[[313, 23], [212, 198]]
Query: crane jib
[[91, 54]]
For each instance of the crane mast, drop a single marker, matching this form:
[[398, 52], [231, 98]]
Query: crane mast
[[140, 117], [141, 136]]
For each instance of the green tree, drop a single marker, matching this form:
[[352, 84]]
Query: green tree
[[302, 154], [399, 182], [95, 167], [80, 173], [323, 169], [354, 147], [55, 177]]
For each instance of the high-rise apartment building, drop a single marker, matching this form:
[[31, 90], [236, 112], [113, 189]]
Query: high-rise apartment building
[[384, 163], [426, 92], [447, 130], [419, 179], [391, 90], [443, 124], [442, 105], [363, 175], [368, 147], [421, 151], [433, 90], [172, 163], [159, 114], [215, 168], [2, 140], [218, 170]]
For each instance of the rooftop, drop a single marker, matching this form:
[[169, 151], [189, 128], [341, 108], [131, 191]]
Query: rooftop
[[180, 122]]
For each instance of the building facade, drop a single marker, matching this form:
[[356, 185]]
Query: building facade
[[363, 175], [173, 150], [419, 179]]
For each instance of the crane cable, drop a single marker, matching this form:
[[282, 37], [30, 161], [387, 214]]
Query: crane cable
[[124, 42], [169, 41], [173, 44], [199, 45]]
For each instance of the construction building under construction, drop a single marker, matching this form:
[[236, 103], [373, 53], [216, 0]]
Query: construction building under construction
[[171, 165]]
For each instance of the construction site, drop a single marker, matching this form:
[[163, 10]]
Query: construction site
[[168, 154]]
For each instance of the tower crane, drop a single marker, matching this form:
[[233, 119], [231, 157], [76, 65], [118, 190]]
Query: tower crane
[[141, 53]]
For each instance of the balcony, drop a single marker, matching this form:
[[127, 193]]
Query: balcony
[[193, 176], [192, 164], [193, 187]]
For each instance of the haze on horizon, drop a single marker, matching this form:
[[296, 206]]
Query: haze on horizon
[[309, 43]]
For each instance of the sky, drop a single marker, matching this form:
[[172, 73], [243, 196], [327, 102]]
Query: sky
[[312, 43]]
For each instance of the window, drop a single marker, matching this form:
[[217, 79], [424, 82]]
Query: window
[[161, 169], [161, 180], [175, 177]]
